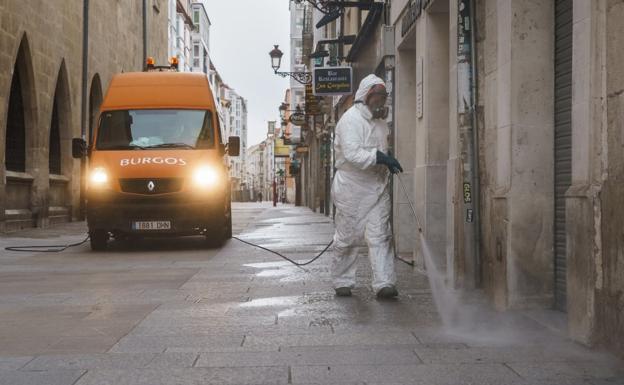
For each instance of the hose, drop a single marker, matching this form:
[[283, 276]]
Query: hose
[[45, 248], [283, 256]]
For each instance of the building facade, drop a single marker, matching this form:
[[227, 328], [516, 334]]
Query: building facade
[[44, 102], [255, 172], [515, 159], [180, 30], [200, 39], [236, 125]]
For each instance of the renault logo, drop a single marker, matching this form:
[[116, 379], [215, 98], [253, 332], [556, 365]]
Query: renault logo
[[151, 186]]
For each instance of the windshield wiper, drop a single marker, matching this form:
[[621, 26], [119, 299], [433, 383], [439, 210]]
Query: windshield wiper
[[172, 145]]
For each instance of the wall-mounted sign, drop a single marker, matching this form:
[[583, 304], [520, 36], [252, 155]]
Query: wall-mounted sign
[[414, 10], [311, 102], [332, 81], [298, 119], [469, 216], [467, 193], [281, 150]]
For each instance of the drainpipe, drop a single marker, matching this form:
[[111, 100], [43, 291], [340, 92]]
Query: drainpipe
[[475, 140], [468, 138], [144, 33], [83, 107]]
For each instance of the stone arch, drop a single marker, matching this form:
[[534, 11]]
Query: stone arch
[[95, 101], [21, 112], [60, 134]]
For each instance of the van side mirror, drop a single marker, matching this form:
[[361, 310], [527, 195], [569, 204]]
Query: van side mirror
[[233, 147], [79, 148]]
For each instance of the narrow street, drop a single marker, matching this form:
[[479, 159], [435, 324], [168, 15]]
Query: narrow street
[[173, 312]]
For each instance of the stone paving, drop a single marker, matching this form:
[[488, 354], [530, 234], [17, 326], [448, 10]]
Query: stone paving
[[174, 312]]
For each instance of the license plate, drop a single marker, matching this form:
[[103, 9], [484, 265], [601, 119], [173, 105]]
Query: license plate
[[151, 225]]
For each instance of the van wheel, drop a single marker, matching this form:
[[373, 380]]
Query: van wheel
[[99, 240], [215, 237], [228, 223]]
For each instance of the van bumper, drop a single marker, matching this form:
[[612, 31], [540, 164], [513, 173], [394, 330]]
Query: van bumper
[[187, 214]]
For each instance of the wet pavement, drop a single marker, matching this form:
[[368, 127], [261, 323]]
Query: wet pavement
[[174, 312]]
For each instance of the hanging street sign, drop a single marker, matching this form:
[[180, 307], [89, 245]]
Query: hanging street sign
[[311, 102], [332, 81], [298, 119]]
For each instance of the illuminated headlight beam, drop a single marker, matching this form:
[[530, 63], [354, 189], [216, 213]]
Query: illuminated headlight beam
[[98, 177], [205, 176]]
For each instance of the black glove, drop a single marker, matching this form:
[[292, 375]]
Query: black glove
[[393, 165]]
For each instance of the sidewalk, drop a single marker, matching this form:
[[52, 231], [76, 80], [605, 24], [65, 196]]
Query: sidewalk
[[244, 316]]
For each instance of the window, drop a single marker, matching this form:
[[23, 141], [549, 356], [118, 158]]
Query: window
[[196, 55], [126, 129], [54, 157], [15, 155], [196, 18]]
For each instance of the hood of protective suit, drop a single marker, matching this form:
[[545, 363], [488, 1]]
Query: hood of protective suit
[[365, 85]]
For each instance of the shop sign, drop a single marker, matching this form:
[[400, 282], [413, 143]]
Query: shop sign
[[332, 81], [298, 119], [311, 102], [414, 10], [281, 150]]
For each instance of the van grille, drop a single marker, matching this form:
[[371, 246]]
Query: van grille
[[159, 185]]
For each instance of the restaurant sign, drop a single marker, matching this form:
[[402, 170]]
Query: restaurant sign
[[332, 81]]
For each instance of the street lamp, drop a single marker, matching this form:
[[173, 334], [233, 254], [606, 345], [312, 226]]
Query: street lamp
[[276, 60]]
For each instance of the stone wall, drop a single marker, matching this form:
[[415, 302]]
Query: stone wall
[[516, 114], [50, 35], [594, 202], [611, 297]]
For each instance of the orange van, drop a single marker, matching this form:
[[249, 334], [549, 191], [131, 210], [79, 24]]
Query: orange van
[[157, 161]]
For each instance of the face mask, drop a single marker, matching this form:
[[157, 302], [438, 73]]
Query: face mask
[[380, 112]]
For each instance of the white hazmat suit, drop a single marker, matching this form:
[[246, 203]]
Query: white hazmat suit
[[361, 195]]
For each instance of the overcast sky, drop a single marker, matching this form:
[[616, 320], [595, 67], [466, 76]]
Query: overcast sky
[[242, 34]]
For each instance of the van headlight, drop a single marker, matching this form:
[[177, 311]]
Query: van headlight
[[205, 176], [98, 177]]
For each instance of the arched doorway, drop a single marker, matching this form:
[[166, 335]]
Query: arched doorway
[[18, 157], [59, 159], [95, 101]]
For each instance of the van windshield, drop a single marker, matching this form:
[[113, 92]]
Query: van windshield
[[151, 129]]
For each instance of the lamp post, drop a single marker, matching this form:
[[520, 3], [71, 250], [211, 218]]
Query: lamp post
[[276, 61]]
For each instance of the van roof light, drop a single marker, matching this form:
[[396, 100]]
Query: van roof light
[[150, 62], [174, 62]]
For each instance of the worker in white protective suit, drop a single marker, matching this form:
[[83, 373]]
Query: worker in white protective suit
[[360, 191]]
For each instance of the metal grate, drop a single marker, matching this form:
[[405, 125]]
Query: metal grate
[[563, 140], [159, 185], [15, 155]]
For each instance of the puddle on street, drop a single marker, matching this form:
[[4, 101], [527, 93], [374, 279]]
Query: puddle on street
[[272, 302], [273, 273]]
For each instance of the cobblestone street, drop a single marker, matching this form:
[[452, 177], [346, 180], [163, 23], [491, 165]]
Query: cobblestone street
[[173, 312]]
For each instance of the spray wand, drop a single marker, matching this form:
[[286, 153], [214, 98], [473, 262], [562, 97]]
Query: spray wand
[[410, 203]]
